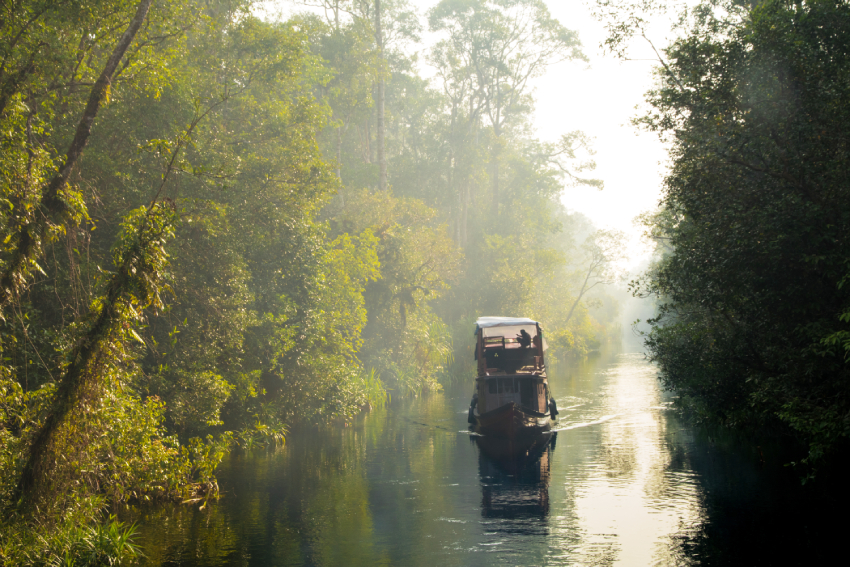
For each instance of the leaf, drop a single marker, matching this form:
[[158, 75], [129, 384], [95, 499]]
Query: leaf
[[137, 337]]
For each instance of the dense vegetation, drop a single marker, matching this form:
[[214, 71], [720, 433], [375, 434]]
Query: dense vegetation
[[753, 328], [216, 225]]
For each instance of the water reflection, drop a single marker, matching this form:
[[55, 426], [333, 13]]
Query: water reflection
[[628, 496], [629, 484], [515, 477]]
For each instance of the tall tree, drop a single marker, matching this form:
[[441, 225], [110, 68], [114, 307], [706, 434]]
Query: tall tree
[[28, 241], [603, 249], [502, 45], [380, 132]]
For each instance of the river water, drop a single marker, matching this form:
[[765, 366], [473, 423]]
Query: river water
[[621, 481]]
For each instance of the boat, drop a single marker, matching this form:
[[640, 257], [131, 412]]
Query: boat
[[511, 396]]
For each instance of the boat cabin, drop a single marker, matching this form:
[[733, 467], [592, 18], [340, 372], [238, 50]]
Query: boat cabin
[[509, 352]]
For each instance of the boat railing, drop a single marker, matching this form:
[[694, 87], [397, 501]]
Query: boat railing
[[520, 372]]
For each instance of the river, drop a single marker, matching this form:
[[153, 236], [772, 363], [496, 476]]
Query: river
[[621, 481]]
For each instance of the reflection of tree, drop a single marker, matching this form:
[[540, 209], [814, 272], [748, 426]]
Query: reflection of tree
[[374, 493], [515, 477], [307, 504]]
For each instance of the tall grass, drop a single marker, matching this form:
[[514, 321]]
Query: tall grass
[[373, 388], [70, 545], [408, 381]]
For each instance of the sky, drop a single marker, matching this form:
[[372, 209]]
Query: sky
[[599, 98]]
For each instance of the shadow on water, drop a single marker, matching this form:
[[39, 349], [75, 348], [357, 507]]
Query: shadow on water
[[755, 509]]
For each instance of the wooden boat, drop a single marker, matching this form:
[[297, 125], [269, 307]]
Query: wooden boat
[[511, 395]]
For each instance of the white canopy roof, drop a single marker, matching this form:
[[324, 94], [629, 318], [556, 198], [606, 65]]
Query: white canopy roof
[[486, 322], [490, 322]]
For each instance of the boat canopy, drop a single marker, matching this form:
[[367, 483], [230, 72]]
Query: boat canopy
[[494, 326], [487, 322], [508, 327]]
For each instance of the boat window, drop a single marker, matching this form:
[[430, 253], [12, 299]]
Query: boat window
[[526, 392], [492, 386]]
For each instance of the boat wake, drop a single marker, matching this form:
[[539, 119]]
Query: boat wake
[[602, 419]]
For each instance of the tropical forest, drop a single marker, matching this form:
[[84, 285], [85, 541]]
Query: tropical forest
[[228, 223]]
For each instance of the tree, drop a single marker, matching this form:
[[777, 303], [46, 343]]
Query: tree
[[52, 204], [380, 131], [498, 46], [603, 249], [752, 289]]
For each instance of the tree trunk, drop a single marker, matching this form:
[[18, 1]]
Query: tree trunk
[[464, 213], [82, 383], [581, 293], [78, 386], [52, 206], [339, 153], [495, 173], [370, 155], [382, 157], [495, 156]]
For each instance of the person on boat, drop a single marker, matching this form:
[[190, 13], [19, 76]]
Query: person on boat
[[523, 338]]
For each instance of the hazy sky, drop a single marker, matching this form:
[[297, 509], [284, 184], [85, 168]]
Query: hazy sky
[[598, 98]]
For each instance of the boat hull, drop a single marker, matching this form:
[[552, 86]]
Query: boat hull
[[511, 421]]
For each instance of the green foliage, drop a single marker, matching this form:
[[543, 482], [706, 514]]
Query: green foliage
[[103, 543], [208, 262], [753, 323], [404, 340], [373, 389], [128, 457]]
